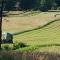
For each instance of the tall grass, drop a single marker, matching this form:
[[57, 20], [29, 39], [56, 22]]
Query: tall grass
[[28, 56]]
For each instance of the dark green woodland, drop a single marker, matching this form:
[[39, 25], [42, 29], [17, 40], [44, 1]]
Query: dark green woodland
[[42, 5]]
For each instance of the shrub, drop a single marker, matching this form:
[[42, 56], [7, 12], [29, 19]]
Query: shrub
[[18, 45], [6, 47]]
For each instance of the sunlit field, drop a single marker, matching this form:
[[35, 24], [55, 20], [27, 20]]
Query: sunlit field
[[47, 38], [25, 21], [44, 34]]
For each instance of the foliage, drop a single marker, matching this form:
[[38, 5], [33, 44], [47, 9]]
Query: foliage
[[6, 47], [27, 4], [58, 8], [42, 5], [47, 37], [18, 45]]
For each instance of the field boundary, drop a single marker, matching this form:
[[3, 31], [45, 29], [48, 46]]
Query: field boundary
[[39, 27]]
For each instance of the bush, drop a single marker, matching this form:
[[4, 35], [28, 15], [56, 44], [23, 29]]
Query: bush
[[6, 47], [18, 45]]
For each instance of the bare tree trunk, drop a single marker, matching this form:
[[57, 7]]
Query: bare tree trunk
[[0, 27], [1, 8]]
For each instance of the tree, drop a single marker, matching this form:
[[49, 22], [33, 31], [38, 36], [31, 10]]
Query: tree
[[9, 4], [58, 2], [43, 6], [37, 5], [27, 4], [46, 4], [1, 8]]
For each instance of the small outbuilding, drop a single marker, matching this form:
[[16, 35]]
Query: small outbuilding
[[7, 37]]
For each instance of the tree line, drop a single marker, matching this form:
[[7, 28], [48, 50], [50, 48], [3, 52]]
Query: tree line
[[42, 5]]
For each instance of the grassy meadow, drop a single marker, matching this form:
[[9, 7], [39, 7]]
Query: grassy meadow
[[40, 30]]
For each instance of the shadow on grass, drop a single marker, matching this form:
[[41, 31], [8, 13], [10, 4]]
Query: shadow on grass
[[37, 47], [54, 11], [24, 13], [40, 27], [48, 45]]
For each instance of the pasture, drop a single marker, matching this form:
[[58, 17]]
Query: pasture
[[43, 30], [25, 21]]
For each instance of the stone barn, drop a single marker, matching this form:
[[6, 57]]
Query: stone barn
[[7, 37]]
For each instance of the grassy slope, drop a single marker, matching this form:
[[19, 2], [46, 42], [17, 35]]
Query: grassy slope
[[47, 38], [17, 23], [50, 31]]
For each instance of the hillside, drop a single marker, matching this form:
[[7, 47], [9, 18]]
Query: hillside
[[41, 32], [47, 38], [26, 21]]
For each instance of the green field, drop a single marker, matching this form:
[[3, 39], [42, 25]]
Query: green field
[[45, 38]]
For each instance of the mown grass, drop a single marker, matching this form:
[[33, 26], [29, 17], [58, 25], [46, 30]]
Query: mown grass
[[46, 37], [17, 23]]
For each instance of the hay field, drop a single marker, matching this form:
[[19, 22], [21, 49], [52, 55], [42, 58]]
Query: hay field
[[46, 39], [17, 23]]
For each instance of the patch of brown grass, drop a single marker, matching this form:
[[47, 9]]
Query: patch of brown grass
[[17, 24]]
